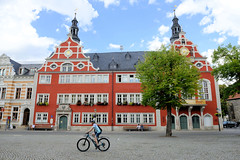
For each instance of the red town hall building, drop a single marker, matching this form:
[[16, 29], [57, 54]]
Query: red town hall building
[[72, 87]]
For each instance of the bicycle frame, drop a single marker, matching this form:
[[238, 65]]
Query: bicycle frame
[[89, 137]]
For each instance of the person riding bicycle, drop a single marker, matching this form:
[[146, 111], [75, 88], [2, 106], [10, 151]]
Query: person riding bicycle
[[96, 133]]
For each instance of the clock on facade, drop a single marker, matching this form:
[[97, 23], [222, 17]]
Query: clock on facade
[[184, 51], [68, 53]]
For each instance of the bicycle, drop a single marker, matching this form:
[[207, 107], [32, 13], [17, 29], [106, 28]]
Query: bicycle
[[83, 144]]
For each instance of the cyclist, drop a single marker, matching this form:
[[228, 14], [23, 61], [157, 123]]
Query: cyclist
[[96, 133]]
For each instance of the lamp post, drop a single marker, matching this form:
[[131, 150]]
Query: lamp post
[[218, 115]]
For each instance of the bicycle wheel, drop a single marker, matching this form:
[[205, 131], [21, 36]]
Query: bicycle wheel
[[104, 144], [83, 144]]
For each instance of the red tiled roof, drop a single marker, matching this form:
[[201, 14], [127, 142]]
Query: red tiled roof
[[235, 97]]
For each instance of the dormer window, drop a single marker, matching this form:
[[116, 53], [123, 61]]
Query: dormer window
[[67, 67], [21, 71]]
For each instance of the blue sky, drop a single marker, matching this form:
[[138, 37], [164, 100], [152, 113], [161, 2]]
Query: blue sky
[[29, 29]]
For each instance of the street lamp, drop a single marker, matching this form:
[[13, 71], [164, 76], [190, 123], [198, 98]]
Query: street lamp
[[218, 115]]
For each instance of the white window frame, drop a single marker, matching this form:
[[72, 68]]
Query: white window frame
[[42, 116], [67, 65], [83, 78], [136, 118], [121, 97], [19, 93], [43, 97], [3, 96], [45, 79], [76, 120], [16, 112], [127, 78], [202, 93], [91, 97], [1, 113], [101, 118]]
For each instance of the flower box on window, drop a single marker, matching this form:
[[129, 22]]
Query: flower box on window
[[102, 103], [42, 103], [125, 103], [119, 103], [138, 104], [131, 104], [86, 103]]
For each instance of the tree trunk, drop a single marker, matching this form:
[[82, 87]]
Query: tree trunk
[[169, 122]]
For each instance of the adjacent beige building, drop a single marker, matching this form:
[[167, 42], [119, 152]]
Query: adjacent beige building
[[16, 92]]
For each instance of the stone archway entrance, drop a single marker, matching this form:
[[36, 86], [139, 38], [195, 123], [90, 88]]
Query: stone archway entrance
[[196, 122], [183, 122], [26, 115]]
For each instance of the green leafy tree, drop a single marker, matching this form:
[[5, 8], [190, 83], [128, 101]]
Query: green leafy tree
[[227, 67], [164, 75], [224, 105]]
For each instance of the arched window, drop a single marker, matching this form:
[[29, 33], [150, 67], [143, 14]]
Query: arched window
[[205, 92], [67, 67]]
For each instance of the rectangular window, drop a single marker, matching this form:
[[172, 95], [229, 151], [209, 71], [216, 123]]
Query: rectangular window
[[83, 78], [144, 118], [76, 117], [127, 78], [66, 98], [99, 98], [124, 118], [29, 93], [93, 78], [15, 114], [45, 79], [150, 118], [74, 98], [104, 119], [1, 113], [42, 98], [98, 118], [85, 118], [119, 118], [18, 93], [135, 118], [41, 117], [132, 118], [3, 92], [128, 98], [119, 78]]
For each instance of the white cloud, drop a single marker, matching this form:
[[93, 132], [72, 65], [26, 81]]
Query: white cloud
[[57, 30], [163, 29], [156, 44], [19, 39], [220, 16], [205, 20], [220, 40], [152, 1], [208, 54], [110, 2], [132, 45], [133, 1], [114, 46], [169, 1]]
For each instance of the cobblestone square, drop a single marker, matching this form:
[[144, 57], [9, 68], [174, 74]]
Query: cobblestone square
[[152, 145]]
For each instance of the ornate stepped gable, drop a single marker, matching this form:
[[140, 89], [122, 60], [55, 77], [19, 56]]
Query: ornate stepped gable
[[189, 49], [68, 52]]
